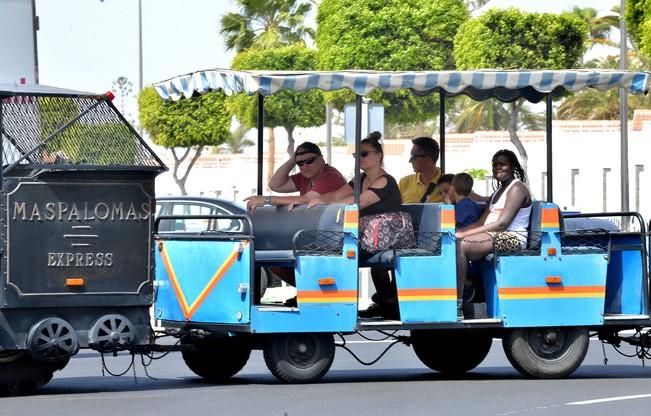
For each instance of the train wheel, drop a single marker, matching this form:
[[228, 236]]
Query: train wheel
[[299, 358], [546, 352], [21, 374], [217, 359], [452, 353]]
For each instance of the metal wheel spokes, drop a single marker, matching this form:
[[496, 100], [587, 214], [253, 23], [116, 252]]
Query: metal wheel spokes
[[52, 339], [111, 332], [302, 350]]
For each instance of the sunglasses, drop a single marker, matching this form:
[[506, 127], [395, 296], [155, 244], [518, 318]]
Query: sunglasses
[[308, 161], [365, 153], [412, 157]]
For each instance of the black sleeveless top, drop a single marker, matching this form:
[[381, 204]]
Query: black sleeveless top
[[390, 200]]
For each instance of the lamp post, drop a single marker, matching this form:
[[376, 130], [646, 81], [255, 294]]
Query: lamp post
[[139, 46], [623, 111]]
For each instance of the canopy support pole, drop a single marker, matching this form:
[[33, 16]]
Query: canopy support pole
[[260, 140], [549, 143], [358, 145], [442, 130]]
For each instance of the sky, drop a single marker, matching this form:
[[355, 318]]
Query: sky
[[87, 44]]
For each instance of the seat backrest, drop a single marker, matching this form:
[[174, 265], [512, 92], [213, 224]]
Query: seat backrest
[[425, 217], [534, 235], [274, 227]]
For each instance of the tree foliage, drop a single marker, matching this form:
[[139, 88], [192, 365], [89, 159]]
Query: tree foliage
[[513, 39], [266, 24], [190, 124], [287, 109], [638, 19], [396, 35]]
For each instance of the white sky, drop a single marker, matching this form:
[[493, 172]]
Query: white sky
[[88, 44]]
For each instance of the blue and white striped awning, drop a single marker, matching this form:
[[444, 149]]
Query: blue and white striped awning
[[504, 85]]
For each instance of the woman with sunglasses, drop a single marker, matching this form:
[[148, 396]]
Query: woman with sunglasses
[[314, 178], [379, 194]]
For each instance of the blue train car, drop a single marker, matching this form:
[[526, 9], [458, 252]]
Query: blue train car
[[543, 301]]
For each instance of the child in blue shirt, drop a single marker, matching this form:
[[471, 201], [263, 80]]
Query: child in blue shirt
[[466, 211]]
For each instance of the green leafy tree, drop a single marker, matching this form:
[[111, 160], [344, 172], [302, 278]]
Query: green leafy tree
[[285, 109], [189, 125], [82, 142], [266, 24], [397, 35], [638, 20], [513, 39], [479, 174]]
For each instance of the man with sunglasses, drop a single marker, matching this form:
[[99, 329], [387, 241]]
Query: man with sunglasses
[[314, 178], [421, 186]]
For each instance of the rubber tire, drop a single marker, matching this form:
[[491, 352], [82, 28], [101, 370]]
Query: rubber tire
[[452, 354], [217, 360], [522, 348], [290, 365], [23, 375]]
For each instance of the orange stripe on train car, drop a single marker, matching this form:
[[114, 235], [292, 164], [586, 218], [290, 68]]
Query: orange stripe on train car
[[327, 294], [549, 218], [541, 290], [351, 216], [447, 218], [187, 309], [427, 292]]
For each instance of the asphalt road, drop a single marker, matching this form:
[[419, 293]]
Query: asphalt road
[[397, 384]]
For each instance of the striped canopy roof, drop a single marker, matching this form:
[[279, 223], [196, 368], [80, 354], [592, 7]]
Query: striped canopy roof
[[482, 84]]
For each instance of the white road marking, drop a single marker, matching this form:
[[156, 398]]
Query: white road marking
[[609, 399]]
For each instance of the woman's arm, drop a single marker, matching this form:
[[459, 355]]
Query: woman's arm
[[517, 197]]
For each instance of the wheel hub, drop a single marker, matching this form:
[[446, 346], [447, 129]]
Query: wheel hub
[[111, 333], [52, 339], [548, 343], [302, 351]]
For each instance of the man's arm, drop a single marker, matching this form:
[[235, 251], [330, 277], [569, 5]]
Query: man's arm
[[258, 200], [280, 181]]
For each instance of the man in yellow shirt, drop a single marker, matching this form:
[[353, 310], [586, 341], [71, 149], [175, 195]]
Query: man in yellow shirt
[[421, 186]]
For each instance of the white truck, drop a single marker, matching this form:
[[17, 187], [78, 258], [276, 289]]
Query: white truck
[[18, 57]]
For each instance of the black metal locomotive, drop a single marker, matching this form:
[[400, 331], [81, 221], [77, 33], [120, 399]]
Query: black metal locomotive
[[76, 214]]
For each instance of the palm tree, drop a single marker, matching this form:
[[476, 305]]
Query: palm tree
[[602, 105], [237, 142], [266, 24], [599, 27]]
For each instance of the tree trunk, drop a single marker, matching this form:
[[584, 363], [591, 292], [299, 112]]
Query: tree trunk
[[290, 140], [513, 131], [180, 180], [272, 153]]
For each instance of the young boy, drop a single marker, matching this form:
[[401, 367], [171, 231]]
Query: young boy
[[466, 211]]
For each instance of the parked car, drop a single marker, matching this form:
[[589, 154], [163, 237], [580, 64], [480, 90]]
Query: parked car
[[198, 205]]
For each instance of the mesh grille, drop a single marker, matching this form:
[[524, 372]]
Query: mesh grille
[[585, 242], [98, 136], [319, 243], [429, 244]]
